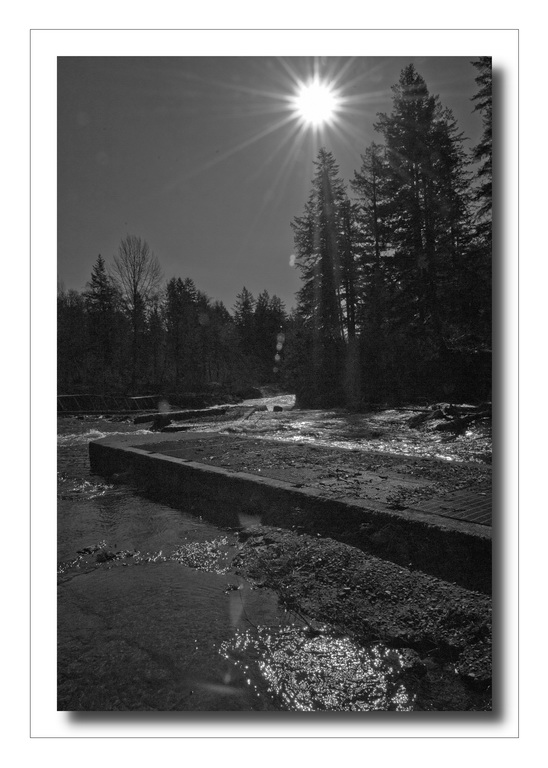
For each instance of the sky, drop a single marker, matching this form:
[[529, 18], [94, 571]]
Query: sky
[[207, 160]]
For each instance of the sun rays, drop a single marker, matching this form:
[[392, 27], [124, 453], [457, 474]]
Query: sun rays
[[299, 106]]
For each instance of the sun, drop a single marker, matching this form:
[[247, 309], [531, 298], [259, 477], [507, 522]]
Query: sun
[[316, 103]]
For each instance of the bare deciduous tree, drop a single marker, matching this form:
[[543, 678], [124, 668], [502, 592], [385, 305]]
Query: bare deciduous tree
[[136, 272], [137, 275]]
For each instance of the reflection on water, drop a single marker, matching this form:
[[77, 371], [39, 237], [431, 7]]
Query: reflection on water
[[312, 671], [385, 431], [205, 555]]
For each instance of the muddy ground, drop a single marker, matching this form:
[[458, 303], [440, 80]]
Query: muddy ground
[[445, 629]]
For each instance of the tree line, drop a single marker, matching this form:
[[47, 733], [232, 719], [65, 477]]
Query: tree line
[[126, 333], [395, 300]]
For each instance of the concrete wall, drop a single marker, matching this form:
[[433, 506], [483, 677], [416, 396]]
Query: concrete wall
[[449, 549]]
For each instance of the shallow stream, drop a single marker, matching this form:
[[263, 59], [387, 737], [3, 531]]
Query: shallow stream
[[152, 616]]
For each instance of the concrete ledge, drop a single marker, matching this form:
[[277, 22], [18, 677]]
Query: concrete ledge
[[452, 550]]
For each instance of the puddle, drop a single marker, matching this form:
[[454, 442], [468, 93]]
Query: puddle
[[316, 670]]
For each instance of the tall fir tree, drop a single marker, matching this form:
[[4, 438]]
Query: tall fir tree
[[481, 306], [244, 310], [102, 305], [319, 242], [369, 186], [179, 328], [427, 215], [268, 322], [156, 346], [483, 151], [73, 360]]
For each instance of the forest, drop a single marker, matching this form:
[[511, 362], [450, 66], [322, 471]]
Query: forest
[[395, 298]]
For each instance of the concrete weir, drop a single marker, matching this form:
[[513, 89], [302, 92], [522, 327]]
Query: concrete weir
[[453, 550]]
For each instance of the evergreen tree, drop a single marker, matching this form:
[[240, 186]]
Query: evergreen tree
[[244, 309], [244, 321], [483, 152], [101, 302], [319, 241], [186, 316], [268, 319], [264, 341], [222, 341], [156, 346], [101, 294], [174, 318], [317, 235], [369, 185], [73, 366], [479, 301], [426, 216], [349, 278], [204, 335]]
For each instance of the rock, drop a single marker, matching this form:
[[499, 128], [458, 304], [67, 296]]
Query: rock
[[420, 418], [160, 420], [88, 550], [454, 425], [249, 393], [104, 557]]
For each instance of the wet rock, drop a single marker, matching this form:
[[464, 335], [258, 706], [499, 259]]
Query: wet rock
[[89, 550], [418, 420], [105, 556]]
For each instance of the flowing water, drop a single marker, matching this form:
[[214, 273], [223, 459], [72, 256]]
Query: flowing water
[[151, 615], [146, 597], [385, 430]]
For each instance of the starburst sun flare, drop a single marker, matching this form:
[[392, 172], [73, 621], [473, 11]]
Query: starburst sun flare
[[316, 103]]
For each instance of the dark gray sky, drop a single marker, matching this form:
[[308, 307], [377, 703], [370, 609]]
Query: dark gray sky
[[205, 159]]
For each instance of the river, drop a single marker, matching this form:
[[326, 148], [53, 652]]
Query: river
[[151, 615]]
